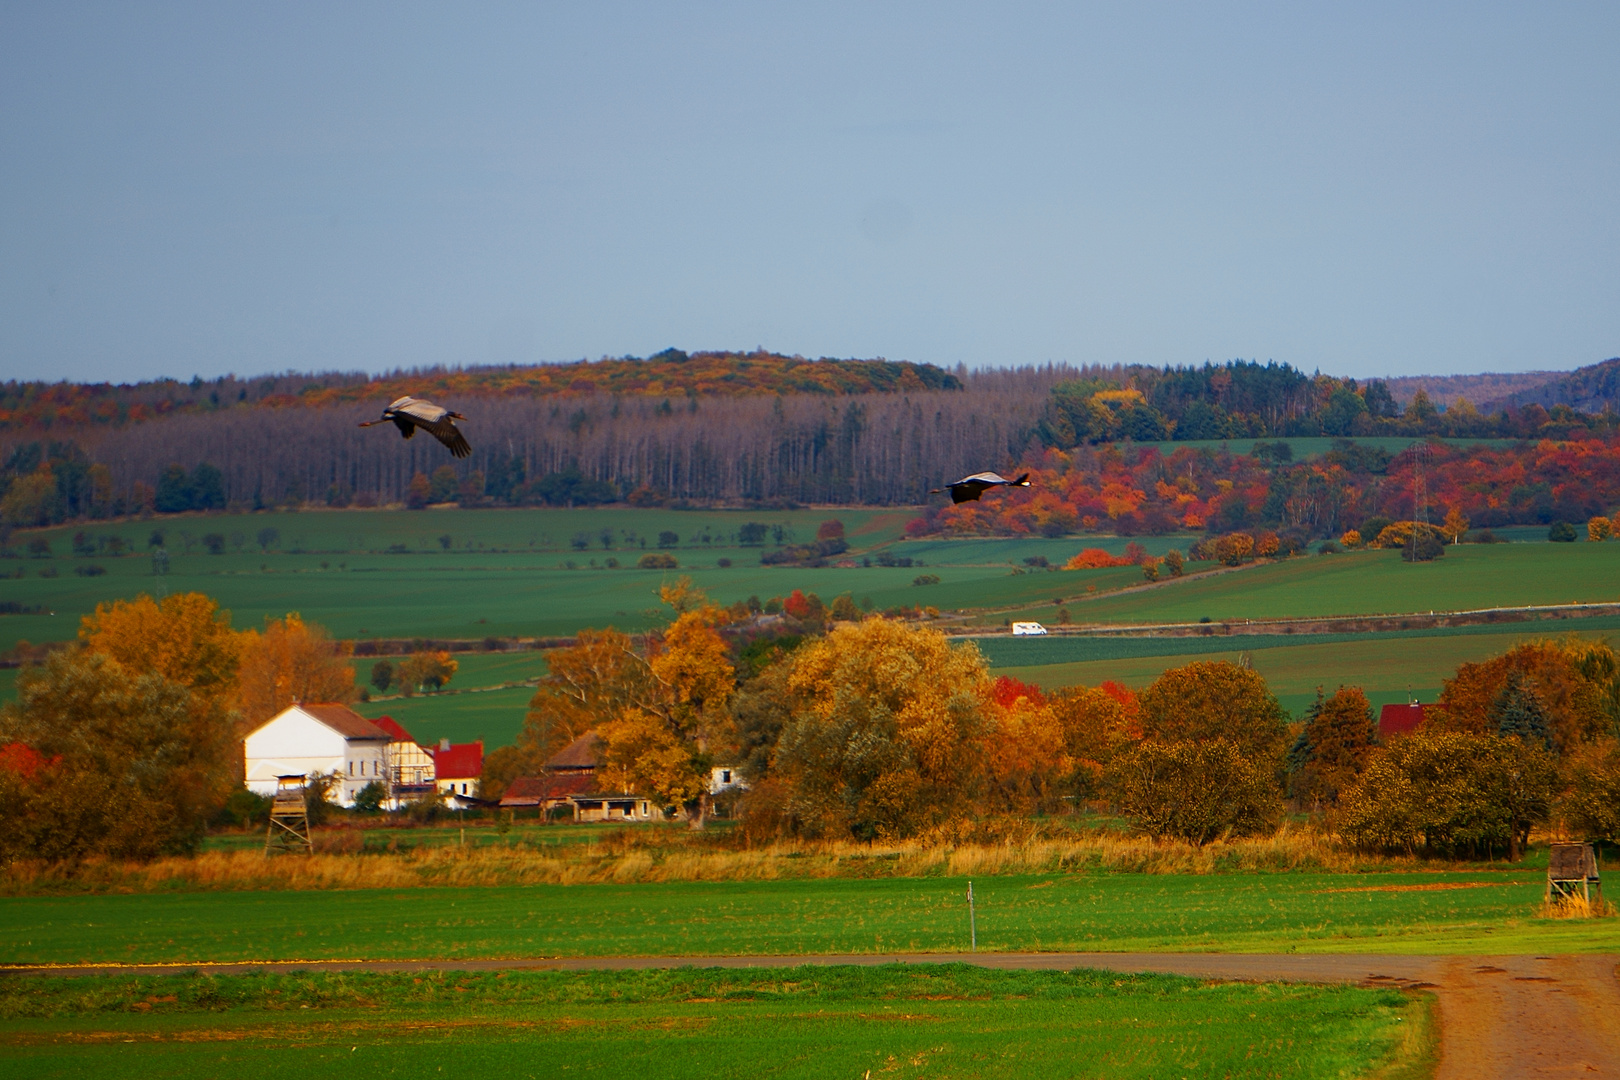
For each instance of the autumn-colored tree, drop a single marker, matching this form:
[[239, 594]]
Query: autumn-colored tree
[[1215, 699], [185, 638], [1599, 529], [1332, 750], [1234, 549], [291, 661], [1175, 561], [666, 745], [889, 733], [1096, 723], [588, 684], [1266, 545], [428, 669], [1031, 767], [1572, 681], [420, 492], [129, 772], [1196, 791], [1350, 538], [1449, 792], [1590, 806], [1456, 525]]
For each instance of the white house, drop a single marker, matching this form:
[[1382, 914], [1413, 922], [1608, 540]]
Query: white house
[[303, 740], [726, 778]]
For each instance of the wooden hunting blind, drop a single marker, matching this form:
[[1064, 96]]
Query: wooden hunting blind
[[1572, 869], [289, 819]]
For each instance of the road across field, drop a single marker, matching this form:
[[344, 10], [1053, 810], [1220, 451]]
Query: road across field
[[1500, 1016]]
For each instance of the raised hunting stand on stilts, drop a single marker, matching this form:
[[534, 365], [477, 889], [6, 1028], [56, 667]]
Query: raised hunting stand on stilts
[[1572, 870], [289, 819]]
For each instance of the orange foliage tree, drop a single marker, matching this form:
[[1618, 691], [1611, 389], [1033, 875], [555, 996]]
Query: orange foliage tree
[[1212, 700], [185, 638], [666, 745], [1574, 682], [291, 661]]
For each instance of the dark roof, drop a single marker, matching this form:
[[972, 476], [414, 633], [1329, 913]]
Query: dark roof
[[1399, 719], [461, 761], [533, 790], [579, 754], [346, 722], [395, 731], [1571, 862]]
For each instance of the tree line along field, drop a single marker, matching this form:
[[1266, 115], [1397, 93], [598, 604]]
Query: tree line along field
[[897, 1021]]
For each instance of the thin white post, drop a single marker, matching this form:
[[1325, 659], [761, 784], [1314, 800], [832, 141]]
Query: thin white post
[[973, 925]]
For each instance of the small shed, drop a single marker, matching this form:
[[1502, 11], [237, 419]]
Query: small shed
[[1571, 869]]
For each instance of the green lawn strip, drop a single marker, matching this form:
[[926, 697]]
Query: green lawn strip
[[1469, 576], [892, 1021], [1386, 667], [1047, 913]]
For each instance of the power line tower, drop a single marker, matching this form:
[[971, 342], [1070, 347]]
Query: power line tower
[[289, 819]]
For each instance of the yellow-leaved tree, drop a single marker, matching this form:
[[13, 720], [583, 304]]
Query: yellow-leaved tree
[[185, 638], [291, 661], [429, 669], [588, 684], [666, 744], [890, 732]]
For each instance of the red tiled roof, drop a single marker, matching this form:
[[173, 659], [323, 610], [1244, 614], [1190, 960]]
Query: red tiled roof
[[462, 761], [1399, 719], [345, 721], [395, 732], [533, 790], [579, 754]]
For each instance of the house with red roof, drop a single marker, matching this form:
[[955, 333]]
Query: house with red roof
[[571, 777], [411, 771], [457, 768], [1400, 719]]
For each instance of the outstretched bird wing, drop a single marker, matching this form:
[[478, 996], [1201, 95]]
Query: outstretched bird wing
[[436, 421], [969, 488]]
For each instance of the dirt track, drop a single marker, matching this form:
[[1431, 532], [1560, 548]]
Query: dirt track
[[1500, 1016]]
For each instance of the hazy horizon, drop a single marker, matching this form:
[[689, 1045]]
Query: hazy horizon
[[195, 189]]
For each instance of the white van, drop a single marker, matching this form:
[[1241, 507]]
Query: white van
[[1023, 629]]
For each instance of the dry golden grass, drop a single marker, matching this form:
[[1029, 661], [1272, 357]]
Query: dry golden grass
[[1576, 907], [624, 857]]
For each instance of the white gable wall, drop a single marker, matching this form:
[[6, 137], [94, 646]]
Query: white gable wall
[[294, 743]]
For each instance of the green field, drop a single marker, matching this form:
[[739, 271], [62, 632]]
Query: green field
[[893, 1021], [1375, 912], [1390, 668], [1470, 576], [335, 568], [501, 587]]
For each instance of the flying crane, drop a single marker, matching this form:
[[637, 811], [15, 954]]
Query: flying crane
[[410, 413]]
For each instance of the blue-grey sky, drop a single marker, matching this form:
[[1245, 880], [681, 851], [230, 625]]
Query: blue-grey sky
[[1365, 189]]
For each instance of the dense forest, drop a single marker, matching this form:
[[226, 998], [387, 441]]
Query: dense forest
[[766, 429]]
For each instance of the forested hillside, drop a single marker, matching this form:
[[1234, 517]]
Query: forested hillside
[[767, 429]]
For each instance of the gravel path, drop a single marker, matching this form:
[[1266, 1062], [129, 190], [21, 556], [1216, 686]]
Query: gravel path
[[1517, 1017]]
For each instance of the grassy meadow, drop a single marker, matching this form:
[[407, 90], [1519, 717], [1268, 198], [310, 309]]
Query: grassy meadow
[[1480, 911], [893, 1021]]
